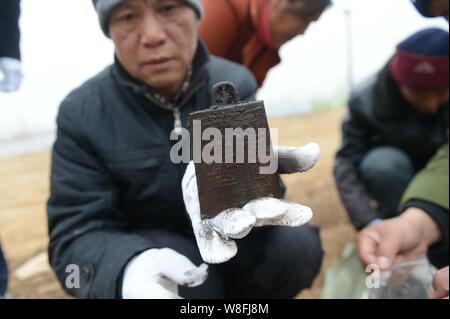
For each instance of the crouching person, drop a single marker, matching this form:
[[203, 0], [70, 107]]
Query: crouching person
[[397, 121], [124, 215]]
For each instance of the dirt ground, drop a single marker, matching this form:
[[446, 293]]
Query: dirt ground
[[24, 186]]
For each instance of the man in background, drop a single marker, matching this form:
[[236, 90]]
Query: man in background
[[397, 121], [423, 225], [251, 32]]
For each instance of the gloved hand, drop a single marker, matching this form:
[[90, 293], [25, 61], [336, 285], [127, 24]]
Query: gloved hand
[[12, 74], [156, 274], [215, 236]]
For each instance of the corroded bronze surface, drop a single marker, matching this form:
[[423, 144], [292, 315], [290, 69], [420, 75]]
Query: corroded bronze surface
[[227, 185]]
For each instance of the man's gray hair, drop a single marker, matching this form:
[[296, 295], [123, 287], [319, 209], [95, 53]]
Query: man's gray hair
[[104, 9]]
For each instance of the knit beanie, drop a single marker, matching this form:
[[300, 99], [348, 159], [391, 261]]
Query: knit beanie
[[104, 9], [421, 61]]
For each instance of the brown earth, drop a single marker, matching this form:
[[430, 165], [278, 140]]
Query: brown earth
[[24, 184]]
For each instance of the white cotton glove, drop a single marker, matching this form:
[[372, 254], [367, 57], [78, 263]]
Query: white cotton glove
[[12, 74], [215, 236], [156, 274]]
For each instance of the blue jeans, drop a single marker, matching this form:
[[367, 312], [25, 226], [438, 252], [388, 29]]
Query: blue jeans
[[3, 274], [386, 173]]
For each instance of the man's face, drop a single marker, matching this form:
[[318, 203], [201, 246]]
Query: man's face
[[288, 20], [439, 8], [425, 101], [432, 8], [155, 41]]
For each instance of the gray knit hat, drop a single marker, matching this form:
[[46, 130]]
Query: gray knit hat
[[105, 7]]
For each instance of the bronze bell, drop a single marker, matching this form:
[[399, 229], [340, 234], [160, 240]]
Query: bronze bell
[[224, 184]]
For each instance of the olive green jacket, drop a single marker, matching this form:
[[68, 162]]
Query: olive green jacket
[[429, 191], [432, 184]]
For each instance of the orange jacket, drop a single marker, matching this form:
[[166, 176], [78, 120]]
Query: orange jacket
[[231, 29]]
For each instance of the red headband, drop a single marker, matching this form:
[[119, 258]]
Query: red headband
[[420, 71]]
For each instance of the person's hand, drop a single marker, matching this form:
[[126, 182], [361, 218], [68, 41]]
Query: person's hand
[[408, 235], [12, 74], [440, 284], [215, 236], [156, 274]]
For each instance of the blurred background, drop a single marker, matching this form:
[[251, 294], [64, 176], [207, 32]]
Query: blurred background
[[62, 46], [305, 96]]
